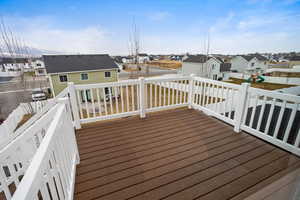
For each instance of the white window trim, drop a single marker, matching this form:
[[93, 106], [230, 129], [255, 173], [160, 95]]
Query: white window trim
[[84, 79], [109, 76], [63, 75]]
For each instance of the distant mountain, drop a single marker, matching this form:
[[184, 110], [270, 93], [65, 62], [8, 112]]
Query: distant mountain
[[32, 51], [39, 52]]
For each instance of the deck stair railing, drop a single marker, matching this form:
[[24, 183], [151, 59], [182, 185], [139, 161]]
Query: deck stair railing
[[271, 116]]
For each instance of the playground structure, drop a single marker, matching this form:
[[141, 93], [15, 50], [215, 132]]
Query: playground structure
[[255, 78]]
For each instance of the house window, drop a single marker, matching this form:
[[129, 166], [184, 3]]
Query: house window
[[107, 74], [84, 76], [38, 64], [213, 66], [63, 78], [252, 64]]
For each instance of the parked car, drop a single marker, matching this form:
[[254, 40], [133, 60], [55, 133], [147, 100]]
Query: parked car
[[38, 95]]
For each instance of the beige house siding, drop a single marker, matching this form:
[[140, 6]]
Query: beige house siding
[[75, 77]]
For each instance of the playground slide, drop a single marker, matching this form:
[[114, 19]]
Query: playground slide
[[259, 79]]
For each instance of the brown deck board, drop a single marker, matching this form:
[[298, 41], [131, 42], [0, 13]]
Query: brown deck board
[[175, 154]]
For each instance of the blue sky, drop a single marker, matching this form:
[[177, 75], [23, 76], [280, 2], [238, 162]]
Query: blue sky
[[166, 26]]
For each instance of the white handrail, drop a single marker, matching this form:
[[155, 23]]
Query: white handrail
[[16, 156], [52, 169]]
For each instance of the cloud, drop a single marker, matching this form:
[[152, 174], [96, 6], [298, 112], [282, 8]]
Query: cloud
[[41, 33], [235, 32], [159, 16]]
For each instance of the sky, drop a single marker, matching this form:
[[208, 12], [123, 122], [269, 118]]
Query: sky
[[165, 26]]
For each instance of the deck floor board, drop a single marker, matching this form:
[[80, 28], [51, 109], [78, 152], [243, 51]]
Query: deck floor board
[[174, 154]]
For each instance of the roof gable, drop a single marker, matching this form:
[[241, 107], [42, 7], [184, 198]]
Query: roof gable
[[72, 63]]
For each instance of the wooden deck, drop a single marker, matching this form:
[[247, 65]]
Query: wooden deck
[[177, 154]]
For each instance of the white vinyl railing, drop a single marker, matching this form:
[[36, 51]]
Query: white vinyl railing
[[166, 92], [215, 98], [274, 117], [225, 101], [52, 169], [47, 147], [107, 100], [17, 155]]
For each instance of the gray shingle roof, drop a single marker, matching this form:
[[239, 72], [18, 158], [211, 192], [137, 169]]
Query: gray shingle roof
[[196, 59], [72, 63], [247, 57]]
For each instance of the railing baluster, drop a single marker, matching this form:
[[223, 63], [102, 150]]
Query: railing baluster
[[132, 97], [291, 121], [86, 104], [185, 91], [173, 93], [116, 99], [200, 93], [105, 102], [270, 116], [159, 95], [150, 95], [127, 98], [138, 96], [110, 100], [122, 100], [181, 91], [262, 110], [223, 100], [165, 96], [155, 94], [278, 123], [146, 95], [93, 103], [177, 90], [227, 102], [169, 91], [231, 105], [98, 100], [253, 111], [79, 102]]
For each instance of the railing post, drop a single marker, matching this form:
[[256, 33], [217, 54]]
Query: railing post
[[74, 106], [142, 97], [240, 110], [190, 92]]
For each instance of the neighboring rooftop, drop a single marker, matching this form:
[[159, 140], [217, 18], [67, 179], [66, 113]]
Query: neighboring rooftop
[[196, 58], [73, 63]]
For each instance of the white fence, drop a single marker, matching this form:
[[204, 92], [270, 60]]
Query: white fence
[[52, 152], [8, 127], [53, 167], [268, 79]]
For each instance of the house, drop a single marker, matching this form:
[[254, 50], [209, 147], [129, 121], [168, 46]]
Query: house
[[39, 67], [176, 57], [249, 63], [258, 63], [217, 67], [195, 64], [294, 60], [14, 64], [143, 58], [79, 69]]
